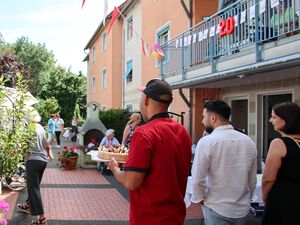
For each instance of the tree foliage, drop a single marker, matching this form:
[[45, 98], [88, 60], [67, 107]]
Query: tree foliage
[[15, 134], [37, 59]]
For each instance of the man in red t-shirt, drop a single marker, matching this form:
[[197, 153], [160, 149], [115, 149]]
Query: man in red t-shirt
[[158, 163]]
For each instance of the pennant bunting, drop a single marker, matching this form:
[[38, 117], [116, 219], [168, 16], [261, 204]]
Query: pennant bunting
[[113, 18], [252, 12], [262, 6], [145, 48], [83, 1], [157, 52]]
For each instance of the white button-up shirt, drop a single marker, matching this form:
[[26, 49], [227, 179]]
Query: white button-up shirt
[[224, 172]]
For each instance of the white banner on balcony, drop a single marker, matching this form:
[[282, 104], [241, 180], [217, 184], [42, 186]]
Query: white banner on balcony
[[212, 31], [236, 20], [189, 39], [205, 33], [243, 17], [252, 12], [194, 38], [200, 36], [262, 6], [185, 41], [274, 3], [218, 29], [177, 43]]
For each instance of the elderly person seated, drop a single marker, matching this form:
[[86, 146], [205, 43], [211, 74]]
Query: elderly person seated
[[109, 139]]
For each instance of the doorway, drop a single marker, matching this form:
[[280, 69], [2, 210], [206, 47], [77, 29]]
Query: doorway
[[268, 132], [239, 114]]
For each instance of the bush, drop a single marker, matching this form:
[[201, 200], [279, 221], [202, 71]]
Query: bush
[[46, 108], [115, 119]]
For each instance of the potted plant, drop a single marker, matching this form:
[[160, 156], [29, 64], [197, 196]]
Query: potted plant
[[68, 157]]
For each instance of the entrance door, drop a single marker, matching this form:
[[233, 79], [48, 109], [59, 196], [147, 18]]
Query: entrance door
[[239, 114], [268, 132]]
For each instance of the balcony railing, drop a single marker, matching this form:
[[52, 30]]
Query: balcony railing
[[242, 24]]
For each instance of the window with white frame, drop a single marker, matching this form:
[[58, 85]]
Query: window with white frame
[[128, 73], [129, 28], [93, 85], [162, 37], [93, 54], [104, 42], [103, 78], [103, 108]]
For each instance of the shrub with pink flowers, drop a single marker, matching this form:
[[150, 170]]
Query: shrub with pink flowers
[[4, 207]]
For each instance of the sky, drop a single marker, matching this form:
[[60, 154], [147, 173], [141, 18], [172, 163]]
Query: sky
[[62, 25]]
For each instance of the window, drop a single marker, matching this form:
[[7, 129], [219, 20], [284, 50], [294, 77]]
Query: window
[[93, 85], [93, 54], [128, 73], [129, 28], [162, 37], [104, 108], [104, 42], [129, 107], [103, 78]]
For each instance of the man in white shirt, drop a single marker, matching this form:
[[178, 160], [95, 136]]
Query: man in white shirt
[[224, 168]]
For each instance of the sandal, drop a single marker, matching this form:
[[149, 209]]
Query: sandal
[[24, 208], [39, 221]]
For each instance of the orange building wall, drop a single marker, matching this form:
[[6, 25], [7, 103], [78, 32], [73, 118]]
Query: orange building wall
[[111, 60], [203, 9], [155, 14]]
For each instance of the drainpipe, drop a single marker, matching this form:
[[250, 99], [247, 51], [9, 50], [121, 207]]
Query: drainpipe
[[188, 103]]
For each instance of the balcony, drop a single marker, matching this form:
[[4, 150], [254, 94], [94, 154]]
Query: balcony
[[245, 37]]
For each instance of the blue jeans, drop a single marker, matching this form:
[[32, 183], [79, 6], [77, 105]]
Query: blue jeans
[[213, 218]]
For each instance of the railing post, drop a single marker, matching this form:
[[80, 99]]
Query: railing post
[[183, 71], [257, 37]]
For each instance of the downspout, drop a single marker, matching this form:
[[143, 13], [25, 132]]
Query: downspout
[[189, 14]]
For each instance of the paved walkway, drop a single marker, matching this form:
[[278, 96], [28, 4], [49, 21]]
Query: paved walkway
[[84, 196]]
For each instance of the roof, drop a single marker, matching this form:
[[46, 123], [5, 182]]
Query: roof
[[120, 7]]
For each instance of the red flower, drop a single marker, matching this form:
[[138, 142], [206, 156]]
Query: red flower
[[58, 153], [65, 147], [58, 159]]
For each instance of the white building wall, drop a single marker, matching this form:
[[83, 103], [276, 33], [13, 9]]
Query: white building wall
[[133, 51]]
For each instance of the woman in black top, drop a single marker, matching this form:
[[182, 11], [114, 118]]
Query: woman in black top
[[281, 179]]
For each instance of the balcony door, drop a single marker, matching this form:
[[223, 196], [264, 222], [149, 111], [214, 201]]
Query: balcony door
[[239, 114]]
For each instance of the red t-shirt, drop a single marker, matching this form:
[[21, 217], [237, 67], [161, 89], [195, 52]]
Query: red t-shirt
[[162, 150]]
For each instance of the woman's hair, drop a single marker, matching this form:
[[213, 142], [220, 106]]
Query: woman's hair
[[109, 132], [135, 117], [290, 113], [31, 115]]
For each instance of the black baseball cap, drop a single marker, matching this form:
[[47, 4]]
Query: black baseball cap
[[156, 88]]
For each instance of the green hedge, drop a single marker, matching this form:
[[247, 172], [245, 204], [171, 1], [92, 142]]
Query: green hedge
[[115, 119]]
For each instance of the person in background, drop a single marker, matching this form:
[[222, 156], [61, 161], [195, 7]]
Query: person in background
[[36, 163], [59, 127], [134, 121], [109, 139], [74, 128], [281, 178], [224, 168], [51, 128], [158, 163]]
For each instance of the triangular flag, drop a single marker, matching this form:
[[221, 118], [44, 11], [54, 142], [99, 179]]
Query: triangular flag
[[113, 18], [83, 1], [145, 48], [105, 8]]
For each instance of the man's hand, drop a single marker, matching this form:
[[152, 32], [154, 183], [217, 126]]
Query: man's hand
[[113, 164]]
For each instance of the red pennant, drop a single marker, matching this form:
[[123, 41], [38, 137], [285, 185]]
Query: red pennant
[[113, 18], [83, 1]]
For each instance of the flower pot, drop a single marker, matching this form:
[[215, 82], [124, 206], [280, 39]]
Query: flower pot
[[70, 163]]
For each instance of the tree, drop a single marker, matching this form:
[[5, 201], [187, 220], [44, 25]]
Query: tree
[[37, 59], [46, 108], [68, 89]]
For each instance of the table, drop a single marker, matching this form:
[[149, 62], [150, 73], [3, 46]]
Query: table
[[257, 196], [95, 157]]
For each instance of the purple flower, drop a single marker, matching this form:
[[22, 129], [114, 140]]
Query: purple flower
[[4, 206]]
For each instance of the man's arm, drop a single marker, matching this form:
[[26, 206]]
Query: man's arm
[[129, 179]]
